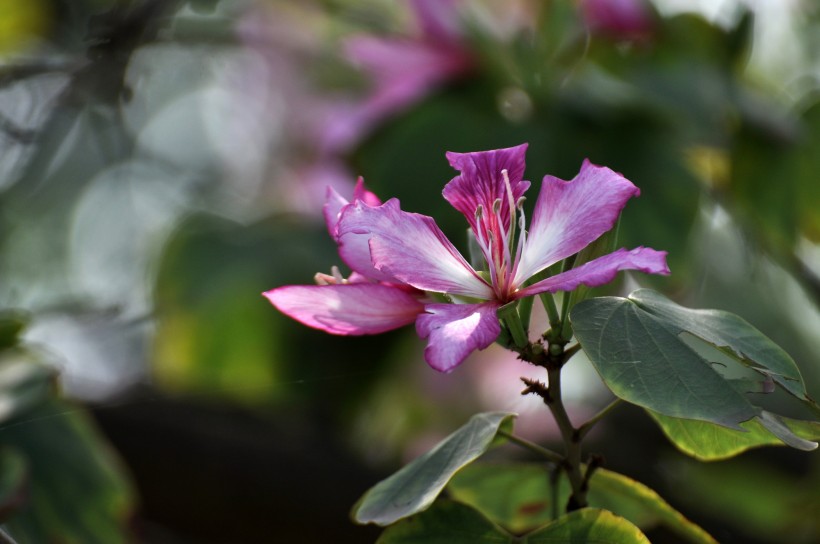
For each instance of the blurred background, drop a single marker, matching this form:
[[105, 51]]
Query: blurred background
[[165, 161]]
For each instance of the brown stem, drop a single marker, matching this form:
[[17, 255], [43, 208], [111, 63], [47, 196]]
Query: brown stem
[[572, 442]]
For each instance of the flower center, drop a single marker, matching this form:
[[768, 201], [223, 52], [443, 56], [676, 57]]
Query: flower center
[[496, 238]]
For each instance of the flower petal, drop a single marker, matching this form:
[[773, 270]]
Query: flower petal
[[481, 183], [410, 248], [437, 19], [353, 233], [347, 309], [334, 203], [569, 215], [402, 71], [602, 270], [456, 330]]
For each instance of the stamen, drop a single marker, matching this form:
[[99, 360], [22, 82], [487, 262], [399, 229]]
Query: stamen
[[479, 212], [497, 205], [511, 234], [508, 187], [334, 278]]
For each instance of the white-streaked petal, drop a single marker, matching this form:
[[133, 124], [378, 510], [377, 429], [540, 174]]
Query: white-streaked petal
[[602, 270], [348, 309], [569, 215], [353, 232], [409, 248], [453, 331]]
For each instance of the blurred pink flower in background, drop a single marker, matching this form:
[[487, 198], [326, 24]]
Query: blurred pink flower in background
[[402, 71], [618, 19], [320, 126]]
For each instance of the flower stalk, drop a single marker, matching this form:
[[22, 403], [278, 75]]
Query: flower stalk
[[553, 360]]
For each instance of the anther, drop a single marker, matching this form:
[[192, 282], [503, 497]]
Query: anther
[[508, 187]]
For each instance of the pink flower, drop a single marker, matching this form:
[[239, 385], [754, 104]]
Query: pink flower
[[619, 19], [402, 71], [359, 304], [397, 256]]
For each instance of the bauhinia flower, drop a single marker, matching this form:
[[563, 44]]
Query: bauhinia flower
[[400, 260], [402, 71]]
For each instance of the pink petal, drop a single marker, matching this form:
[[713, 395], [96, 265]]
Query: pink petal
[[619, 19], [360, 192], [569, 215], [602, 270], [408, 247], [347, 309], [481, 183], [456, 330], [353, 233], [402, 71], [437, 19], [334, 203]]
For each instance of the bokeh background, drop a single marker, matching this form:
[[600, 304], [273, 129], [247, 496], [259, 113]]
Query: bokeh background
[[165, 161]]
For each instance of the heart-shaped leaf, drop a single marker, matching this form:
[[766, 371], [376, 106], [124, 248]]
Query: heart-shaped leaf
[[416, 485], [588, 525], [642, 346], [729, 333], [709, 442], [519, 497], [643, 360]]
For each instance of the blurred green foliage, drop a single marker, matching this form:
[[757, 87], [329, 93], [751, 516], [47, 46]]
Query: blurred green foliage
[[60, 481]]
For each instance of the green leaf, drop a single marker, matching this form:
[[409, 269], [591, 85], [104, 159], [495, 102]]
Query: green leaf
[[648, 350], [588, 525], [516, 496], [729, 333], [709, 442], [446, 522], [641, 505], [642, 359], [24, 383], [808, 190], [13, 475], [77, 492], [415, 487], [12, 324], [519, 498]]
